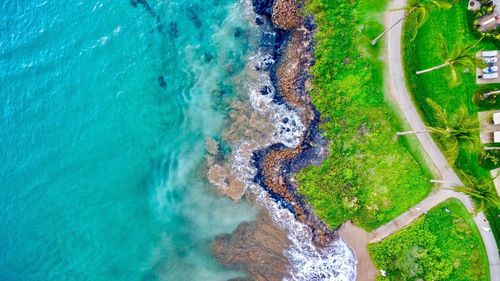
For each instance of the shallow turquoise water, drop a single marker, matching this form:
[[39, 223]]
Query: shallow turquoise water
[[101, 174]]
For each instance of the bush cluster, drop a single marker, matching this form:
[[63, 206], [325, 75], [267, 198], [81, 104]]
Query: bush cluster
[[443, 245]]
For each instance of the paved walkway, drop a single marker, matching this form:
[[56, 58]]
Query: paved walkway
[[398, 90], [403, 99], [409, 216]]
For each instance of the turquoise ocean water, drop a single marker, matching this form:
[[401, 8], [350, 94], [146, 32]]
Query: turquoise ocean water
[[105, 109]]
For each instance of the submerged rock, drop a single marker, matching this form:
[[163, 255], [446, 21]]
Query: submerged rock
[[162, 82], [256, 246], [212, 147], [226, 182]]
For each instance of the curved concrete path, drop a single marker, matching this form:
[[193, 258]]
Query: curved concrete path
[[357, 237], [412, 214], [401, 94]]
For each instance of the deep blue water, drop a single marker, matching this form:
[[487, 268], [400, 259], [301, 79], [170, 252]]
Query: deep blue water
[[105, 109]]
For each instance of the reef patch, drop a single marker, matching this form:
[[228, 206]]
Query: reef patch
[[257, 246]]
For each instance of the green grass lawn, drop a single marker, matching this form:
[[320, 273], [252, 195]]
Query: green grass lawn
[[369, 177], [426, 51], [439, 246]]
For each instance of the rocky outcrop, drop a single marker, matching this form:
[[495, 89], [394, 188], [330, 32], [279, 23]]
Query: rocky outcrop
[[220, 172], [225, 182], [257, 247], [286, 14], [277, 163], [292, 72]]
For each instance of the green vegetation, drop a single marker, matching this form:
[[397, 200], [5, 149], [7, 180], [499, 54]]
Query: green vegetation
[[460, 58], [455, 27], [459, 128], [445, 244], [482, 192], [370, 176], [418, 10]]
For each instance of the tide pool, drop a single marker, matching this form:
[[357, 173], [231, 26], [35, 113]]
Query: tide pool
[[106, 106]]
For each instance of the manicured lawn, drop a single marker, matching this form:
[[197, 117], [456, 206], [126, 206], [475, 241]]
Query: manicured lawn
[[369, 177], [441, 245], [426, 51]]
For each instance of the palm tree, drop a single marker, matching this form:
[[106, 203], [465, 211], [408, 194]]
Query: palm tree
[[417, 10], [451, 130], [482, 192], [460, 57]]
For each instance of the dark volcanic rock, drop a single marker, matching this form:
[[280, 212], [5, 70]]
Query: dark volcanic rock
[[262, 7], [256, 246], [274, 172]]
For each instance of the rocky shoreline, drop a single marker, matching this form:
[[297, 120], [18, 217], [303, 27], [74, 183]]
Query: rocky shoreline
[[291, 49], [277, 163]]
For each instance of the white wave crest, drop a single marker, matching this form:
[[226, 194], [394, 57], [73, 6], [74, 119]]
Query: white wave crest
[[287, 123], [335, 262]]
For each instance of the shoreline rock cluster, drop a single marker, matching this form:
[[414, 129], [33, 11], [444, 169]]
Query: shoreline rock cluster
[[259, 246], [277, 163]]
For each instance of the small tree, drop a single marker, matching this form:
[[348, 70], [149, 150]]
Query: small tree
[[462, 57], [482, 192], [418, 10], [451, 130]]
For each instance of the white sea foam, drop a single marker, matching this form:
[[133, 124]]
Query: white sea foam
[[103, 40], [287, 123], [335, 262]]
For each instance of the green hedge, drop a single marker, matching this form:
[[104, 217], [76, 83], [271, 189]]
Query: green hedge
[[443, 245]]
